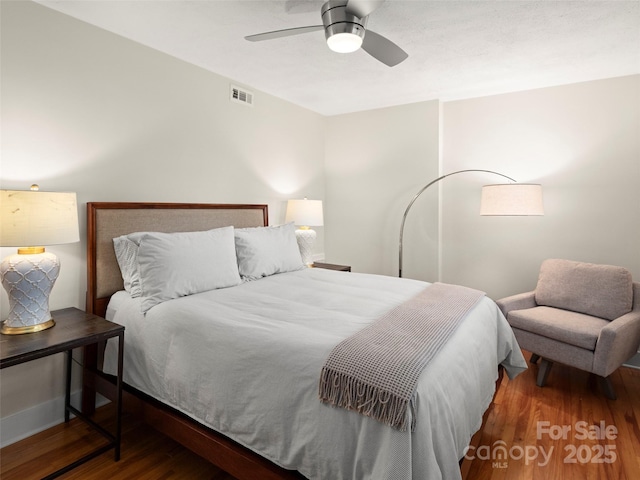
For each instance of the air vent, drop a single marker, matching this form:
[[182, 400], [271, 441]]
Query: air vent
[[239, 95]]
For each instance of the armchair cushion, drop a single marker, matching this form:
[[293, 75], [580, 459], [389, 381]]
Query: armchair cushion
[[604, 291], [564, 326]]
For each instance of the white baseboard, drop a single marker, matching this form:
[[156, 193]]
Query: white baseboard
[[33, 420]]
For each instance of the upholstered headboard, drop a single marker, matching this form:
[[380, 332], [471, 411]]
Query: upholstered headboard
[[107, 220]]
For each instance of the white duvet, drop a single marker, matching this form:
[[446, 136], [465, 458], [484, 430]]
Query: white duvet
[[246, 361]]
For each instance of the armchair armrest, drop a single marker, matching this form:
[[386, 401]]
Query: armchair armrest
[[618, 341], [517, 302]]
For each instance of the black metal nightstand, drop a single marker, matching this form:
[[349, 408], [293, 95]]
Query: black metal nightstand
[[74, 328]]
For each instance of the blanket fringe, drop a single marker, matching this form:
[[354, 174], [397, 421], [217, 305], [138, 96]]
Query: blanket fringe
[[345, 391]]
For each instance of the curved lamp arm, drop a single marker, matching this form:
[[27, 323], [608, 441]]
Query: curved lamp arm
[[406, 212]]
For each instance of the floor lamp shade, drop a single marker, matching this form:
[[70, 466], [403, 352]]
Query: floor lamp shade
[[305, 213], [512, 199], [30, 220]]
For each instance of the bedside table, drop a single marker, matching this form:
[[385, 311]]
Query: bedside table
[[74, 328], [331, 266]]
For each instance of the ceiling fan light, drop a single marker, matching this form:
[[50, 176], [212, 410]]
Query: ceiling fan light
[[344, 42]]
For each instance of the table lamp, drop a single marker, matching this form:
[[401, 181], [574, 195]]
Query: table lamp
[[305, 213], [28, 220]]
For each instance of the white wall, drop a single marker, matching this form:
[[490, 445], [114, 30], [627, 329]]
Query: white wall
[[582, 142], [87, 111], [376, 161]]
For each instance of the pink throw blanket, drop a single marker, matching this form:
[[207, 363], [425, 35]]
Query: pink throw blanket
[[375, 371]]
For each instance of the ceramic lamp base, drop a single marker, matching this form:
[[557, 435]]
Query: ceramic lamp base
[[306, 238], [28, 280]]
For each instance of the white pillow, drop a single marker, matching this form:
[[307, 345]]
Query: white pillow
[[126, 248], [173, 265], [263, 251]]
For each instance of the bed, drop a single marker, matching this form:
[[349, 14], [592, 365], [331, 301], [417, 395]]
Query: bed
[[233, 372]]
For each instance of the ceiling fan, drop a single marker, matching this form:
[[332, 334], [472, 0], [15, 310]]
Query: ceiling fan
[[344, 23]]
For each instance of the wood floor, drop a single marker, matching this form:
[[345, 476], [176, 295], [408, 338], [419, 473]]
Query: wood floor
[[569, 426], [525, 420]]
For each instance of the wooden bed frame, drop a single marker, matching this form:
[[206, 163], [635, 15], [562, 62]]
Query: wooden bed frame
[[107, 220]]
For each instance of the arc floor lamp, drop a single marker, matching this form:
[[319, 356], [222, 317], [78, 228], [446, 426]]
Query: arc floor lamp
[[499, 199]]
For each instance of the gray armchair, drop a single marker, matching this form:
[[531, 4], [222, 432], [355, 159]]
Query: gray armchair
[[580, 314]]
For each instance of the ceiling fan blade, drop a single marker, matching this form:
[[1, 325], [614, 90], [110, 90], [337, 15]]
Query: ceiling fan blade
[[362, 8], [283, 33], [383, 49]]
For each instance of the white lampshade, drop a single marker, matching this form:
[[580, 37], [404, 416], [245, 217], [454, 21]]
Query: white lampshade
[[30, 220], [305, 212], [512, 199], [34, 218]]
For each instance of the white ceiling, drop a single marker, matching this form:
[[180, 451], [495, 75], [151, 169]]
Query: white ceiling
[[457, 49]]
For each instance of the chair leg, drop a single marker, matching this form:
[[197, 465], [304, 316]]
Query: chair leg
[[607, 387], [543, 372], [534, 358]]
